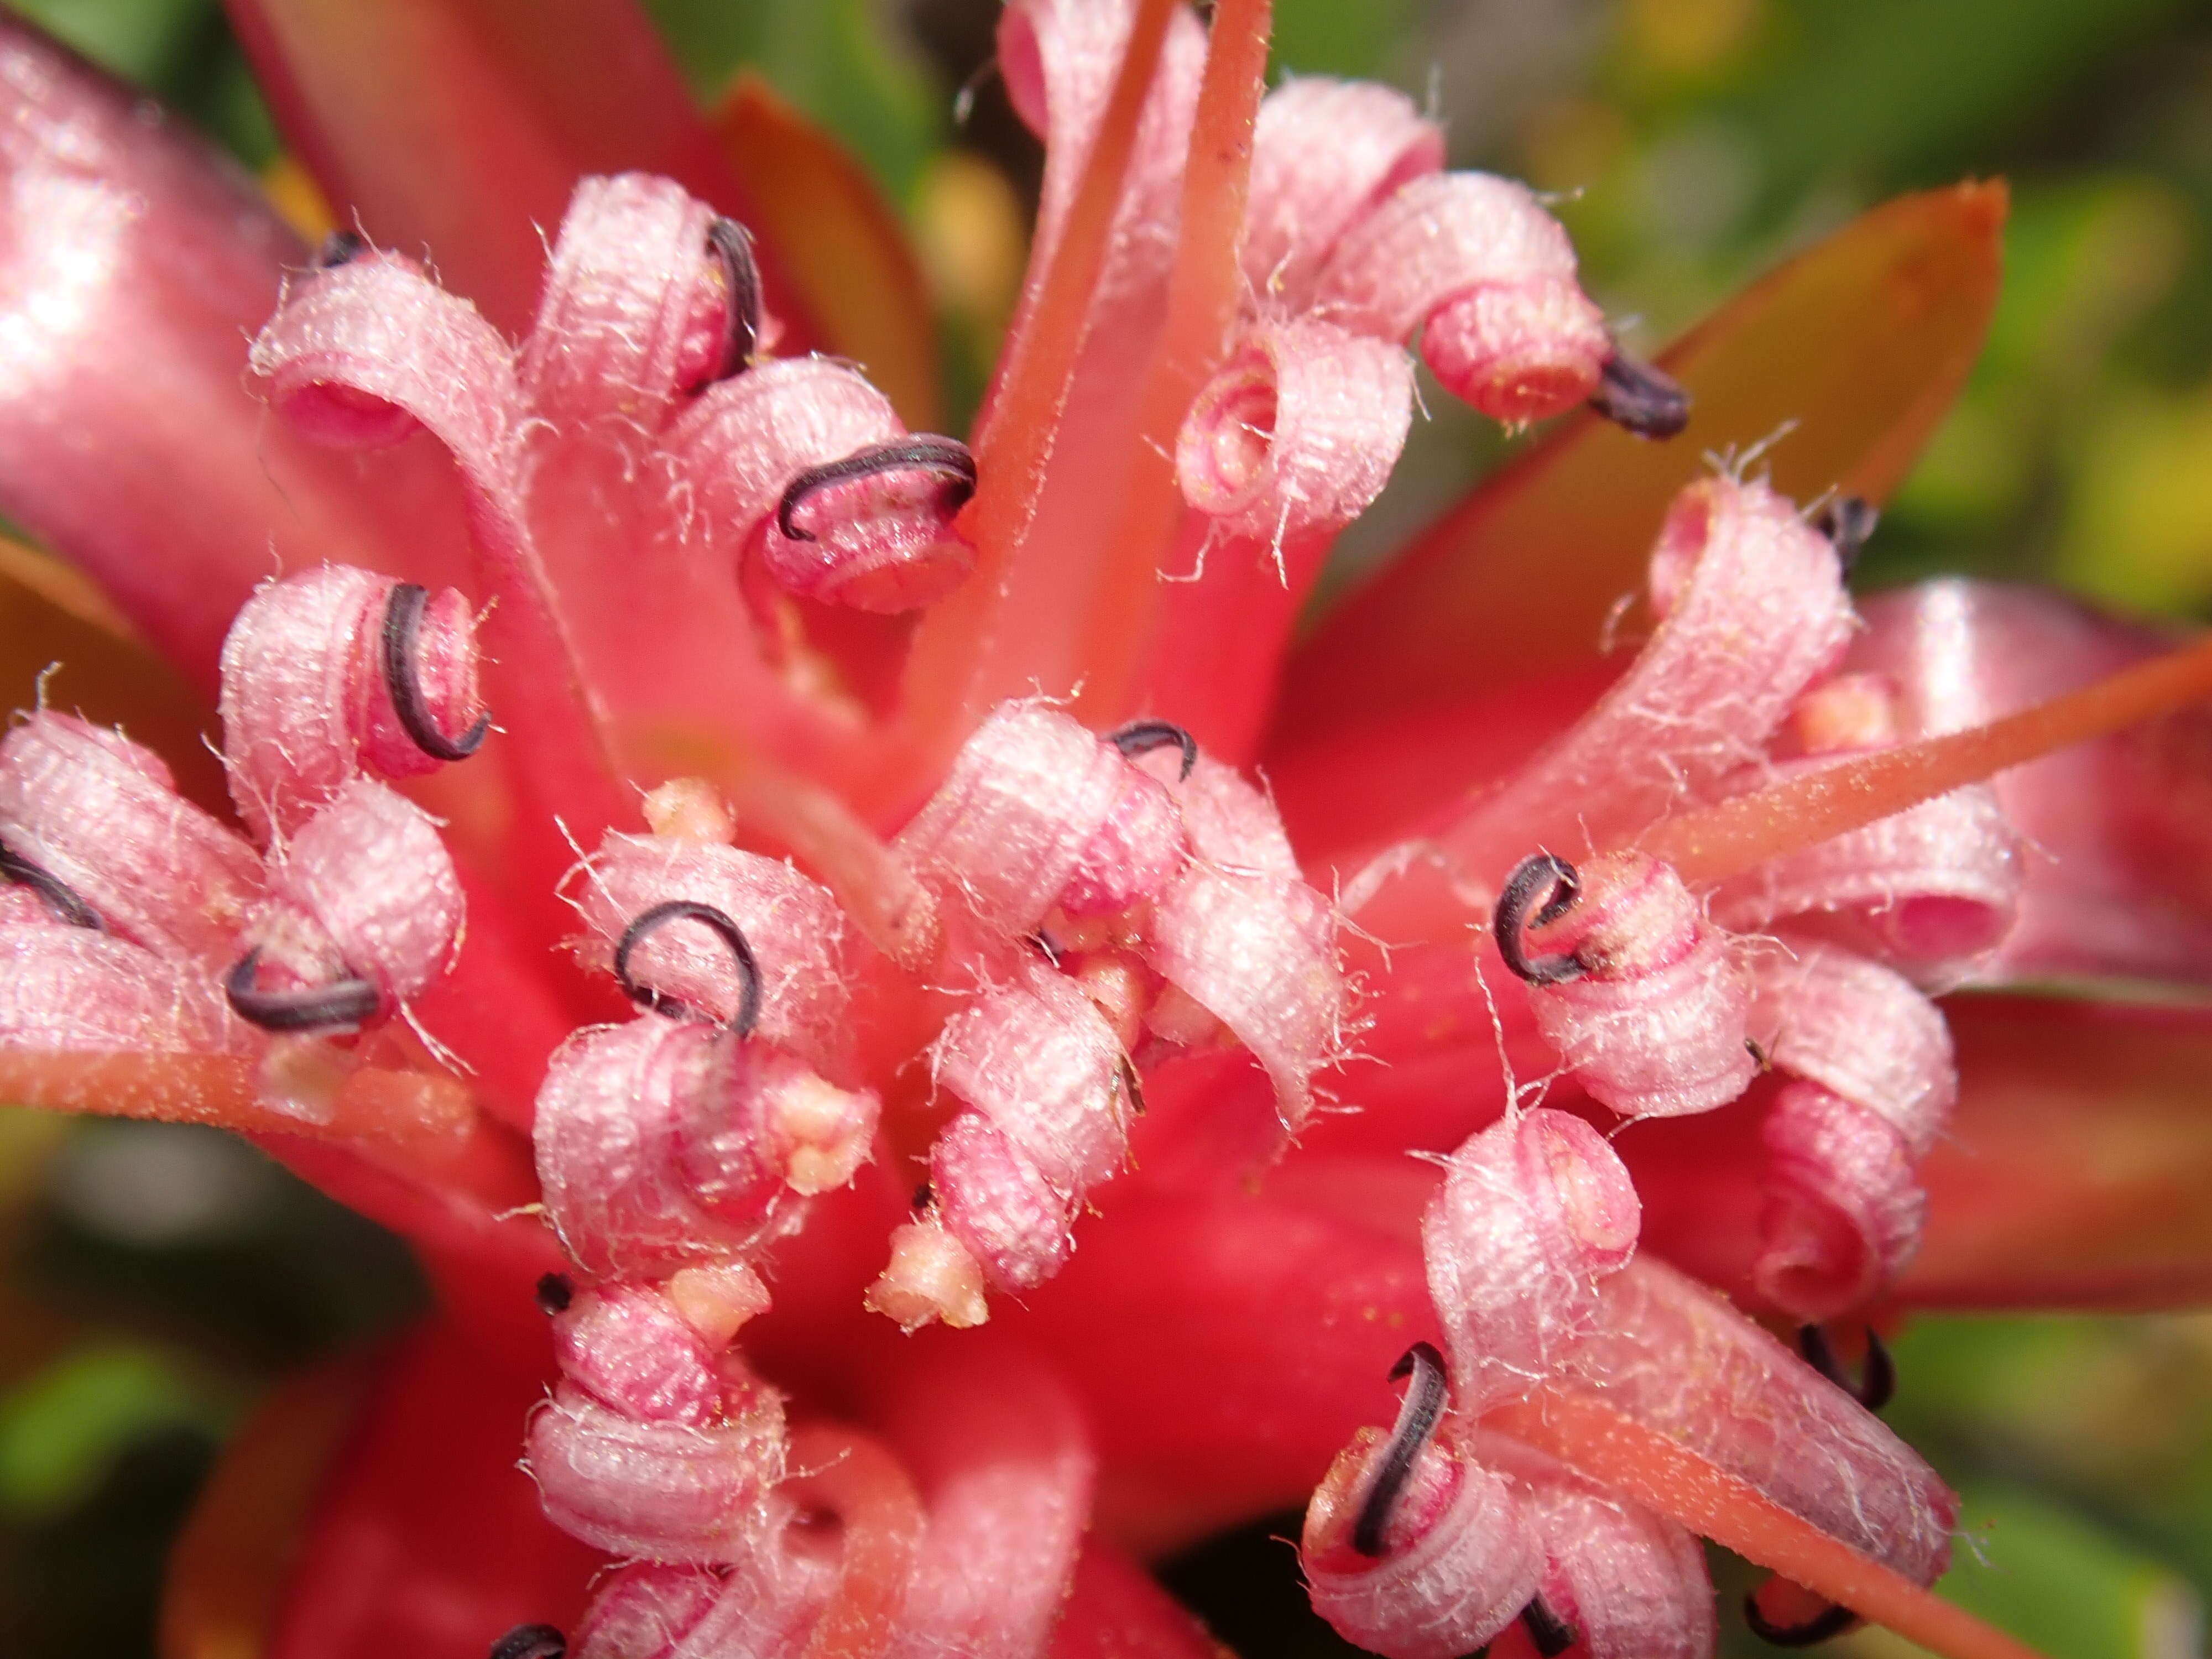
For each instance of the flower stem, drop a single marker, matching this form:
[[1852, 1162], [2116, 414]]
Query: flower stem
[[1719, 841], [1203, 294], [411, 1109], [1613, 1449]]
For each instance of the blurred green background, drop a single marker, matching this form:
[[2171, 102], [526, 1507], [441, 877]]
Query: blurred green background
[[154, 1280]]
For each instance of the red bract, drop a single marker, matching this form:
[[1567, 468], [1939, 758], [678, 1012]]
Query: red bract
[[979, 976]]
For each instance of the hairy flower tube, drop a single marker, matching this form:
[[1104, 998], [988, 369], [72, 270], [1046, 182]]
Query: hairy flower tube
[[893, 996]]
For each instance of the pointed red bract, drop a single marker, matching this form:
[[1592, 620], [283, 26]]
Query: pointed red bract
[[458, 127]]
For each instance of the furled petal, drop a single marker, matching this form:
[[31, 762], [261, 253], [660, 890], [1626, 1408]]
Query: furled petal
[[1259, 952], [98, 813], [1460, 1557], [308, 690], [1007, 829], [1630, 1584], [1297, 432], [1676, 1358], [365, 889], [74, 989], [660, 1142], [1534, 1213], [1286, 444], [1476, 267], [1843, 1213], [1650, 1005], [1858, 1030], [1862, 342], [618, 331], [795, 929], [1932, 889], [999, 1448], [1752, 606], [670, 1492], [2114, 828], [1325, 154], [1043, 1076]]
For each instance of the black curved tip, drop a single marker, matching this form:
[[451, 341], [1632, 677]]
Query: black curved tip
[[1142, 737], [403, 627], [1849, 522], [1640, 398], [340, 247], [555, 1293], [1132, 1084], [649, 922], [1551, 1634], [731, 245], [63, 900], [1416, 1421], [345, 1004], [1552, 879], [531, 1642], [1831, 1621], [947, 457], [1875, 1385]]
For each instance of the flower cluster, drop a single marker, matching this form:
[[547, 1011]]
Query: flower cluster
[[946, 963]]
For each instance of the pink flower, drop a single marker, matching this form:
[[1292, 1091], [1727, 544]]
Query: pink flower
[[732, 877]]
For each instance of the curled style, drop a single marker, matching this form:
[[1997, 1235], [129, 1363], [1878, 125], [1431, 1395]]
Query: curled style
[[731, 244], [344, 1004], [1142, 737], [1417, 1423], [403, 626], [1876, 1383], [1540, 876], [60, 897], [1640, 398], [649, 922], [947, 457]]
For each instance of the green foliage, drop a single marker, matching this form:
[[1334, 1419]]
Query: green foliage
[[841, 61], [61, 1429]]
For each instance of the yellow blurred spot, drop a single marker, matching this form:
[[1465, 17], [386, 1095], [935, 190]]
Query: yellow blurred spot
[[49, 615], [968, 224], [62, 587], [1573, 142], [2139, 531], [297, 198], [1687, 37]]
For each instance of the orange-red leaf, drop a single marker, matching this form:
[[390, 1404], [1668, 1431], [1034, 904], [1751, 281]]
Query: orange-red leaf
[[1862, 340], [2074, 1172], [841, 243], [51, 614], [459, 127], [227, 1569]]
